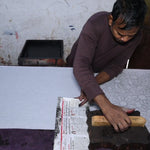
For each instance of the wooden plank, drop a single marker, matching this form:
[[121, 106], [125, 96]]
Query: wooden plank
[[102, 121]]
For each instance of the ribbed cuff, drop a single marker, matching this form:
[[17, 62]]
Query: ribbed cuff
[[92, 91]]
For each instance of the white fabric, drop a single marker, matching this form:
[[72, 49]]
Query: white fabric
[[28, 95]]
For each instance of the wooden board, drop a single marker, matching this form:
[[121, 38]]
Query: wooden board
[[102, 121]]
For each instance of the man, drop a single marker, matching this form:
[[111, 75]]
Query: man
[[105, 44]]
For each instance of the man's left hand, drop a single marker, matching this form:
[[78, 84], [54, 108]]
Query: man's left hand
[[82, 98]]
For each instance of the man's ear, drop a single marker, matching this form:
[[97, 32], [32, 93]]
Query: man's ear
[[110, 20]]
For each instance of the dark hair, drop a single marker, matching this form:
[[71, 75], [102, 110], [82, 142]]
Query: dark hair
[[132, 12]]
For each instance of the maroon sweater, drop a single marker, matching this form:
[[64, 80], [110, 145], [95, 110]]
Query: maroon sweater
[[96, 50]]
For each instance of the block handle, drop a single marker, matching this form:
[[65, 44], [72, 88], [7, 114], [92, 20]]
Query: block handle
[[102, 121]]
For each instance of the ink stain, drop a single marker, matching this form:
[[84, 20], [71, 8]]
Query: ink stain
[[8, 33], [72, 28], [2, 61], [17, 36], [11, 33]]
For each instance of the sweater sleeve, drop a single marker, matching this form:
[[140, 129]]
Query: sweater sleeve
[[82, 63]]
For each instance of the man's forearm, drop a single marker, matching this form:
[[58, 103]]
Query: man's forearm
[[102, 77], [101, 100]]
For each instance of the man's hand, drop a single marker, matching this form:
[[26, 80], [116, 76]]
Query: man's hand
[[82, 98], [114, 114], [117, 116]]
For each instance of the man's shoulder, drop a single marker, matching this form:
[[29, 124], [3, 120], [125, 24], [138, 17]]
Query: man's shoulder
[[98, 22], [99, 17]]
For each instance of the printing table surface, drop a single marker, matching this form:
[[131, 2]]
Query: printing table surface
[[28, 97]]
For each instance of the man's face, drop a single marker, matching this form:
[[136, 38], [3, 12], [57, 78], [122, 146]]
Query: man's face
[[120, 35]]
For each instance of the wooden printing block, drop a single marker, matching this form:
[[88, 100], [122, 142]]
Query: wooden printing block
[[106, 138]]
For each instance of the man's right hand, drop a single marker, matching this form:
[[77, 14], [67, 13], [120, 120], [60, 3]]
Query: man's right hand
[[117, 116], [114, 114]]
